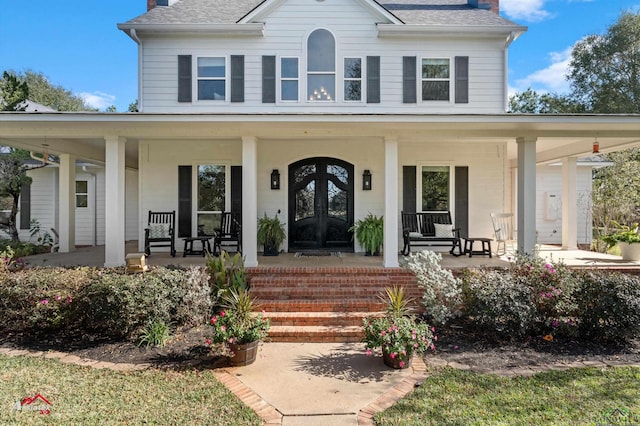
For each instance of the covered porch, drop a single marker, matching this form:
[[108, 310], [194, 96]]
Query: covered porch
[[510, 145]]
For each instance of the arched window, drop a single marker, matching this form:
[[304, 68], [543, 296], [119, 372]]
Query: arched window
[[321, 66]]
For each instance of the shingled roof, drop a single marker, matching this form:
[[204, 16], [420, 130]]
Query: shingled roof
[[415, 12]]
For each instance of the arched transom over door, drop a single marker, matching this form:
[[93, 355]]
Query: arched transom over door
[[320, 204]]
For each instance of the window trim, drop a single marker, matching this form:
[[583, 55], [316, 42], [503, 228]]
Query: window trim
[[362, 80], [86, 194], [421, 79], [452, 184], [281, 79], [194, 189], [226, 78], [308, 73]]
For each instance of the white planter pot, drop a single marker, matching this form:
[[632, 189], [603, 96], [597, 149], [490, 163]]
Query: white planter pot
[[629, 251]]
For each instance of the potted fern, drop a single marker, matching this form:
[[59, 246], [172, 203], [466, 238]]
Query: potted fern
[[271, 234], [370, 234]]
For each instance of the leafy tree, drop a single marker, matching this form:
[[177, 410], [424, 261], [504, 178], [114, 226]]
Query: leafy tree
[[111, 108], [605, 69], [133, 106], [13, 93], [42, 91], [13, 174], [531, 102]]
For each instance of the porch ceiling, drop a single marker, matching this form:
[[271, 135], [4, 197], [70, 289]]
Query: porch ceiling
[[82, 134]]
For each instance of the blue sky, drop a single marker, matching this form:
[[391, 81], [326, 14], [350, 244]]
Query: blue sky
[[77, 45]]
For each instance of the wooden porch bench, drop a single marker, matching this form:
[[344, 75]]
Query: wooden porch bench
[[419, 229]]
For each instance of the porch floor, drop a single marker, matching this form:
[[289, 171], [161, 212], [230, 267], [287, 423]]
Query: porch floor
[[94, 256]]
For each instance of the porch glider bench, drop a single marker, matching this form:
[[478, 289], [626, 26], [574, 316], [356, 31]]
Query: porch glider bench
[[430, 229]]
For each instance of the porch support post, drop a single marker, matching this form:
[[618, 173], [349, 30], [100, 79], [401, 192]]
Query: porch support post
[[390, 202], [114, 253], [526, 194], [569, 204], [67, 198], [249, 201]]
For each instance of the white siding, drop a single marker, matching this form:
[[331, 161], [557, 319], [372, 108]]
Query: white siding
[[354, 28], [131, 205], [44, 193], [549, 215]]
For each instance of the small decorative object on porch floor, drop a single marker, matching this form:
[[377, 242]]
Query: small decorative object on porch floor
[[398, 332], [136, 262]]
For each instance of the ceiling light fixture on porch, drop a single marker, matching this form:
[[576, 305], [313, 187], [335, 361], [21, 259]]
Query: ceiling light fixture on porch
[[596, 146], [275, 179], [366, 180]]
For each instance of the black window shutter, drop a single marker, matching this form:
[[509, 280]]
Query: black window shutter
[[236, 189], [409, 189], [184, 201], [184, 78], [462, 200], [373, 79], [237, 78], [25, 206], [409, 88], [462, 79], [268, 79]]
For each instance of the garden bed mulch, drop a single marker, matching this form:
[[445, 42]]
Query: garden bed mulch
[[454, 345]]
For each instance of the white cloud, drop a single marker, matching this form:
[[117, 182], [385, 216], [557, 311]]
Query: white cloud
[[525, 10], [97, 99], [551, 78]]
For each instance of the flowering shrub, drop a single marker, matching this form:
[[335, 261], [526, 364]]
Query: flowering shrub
[[229, 327], [442, 291], [399, 336]]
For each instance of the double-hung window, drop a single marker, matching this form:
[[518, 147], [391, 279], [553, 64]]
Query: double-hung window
[[436, 79], [435, 188], [353, 79], [211, 197], [212, 78], [289, 79], [82, 193], [321, 66]]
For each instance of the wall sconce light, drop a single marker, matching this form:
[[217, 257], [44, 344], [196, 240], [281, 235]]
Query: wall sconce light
[[366, 180], [275, 179], [596, 146]]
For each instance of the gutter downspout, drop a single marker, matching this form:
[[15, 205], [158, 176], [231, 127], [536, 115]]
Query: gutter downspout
[[95, 204]]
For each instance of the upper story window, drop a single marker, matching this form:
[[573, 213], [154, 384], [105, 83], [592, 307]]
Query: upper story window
[[436, 79], [353, 79], [289, 79], [212, 79], [321, 66]]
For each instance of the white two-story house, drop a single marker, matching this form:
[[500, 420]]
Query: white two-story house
[[291, 107]]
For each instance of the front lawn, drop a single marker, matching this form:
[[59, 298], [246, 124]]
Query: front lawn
[[586, 396], [86, 396]]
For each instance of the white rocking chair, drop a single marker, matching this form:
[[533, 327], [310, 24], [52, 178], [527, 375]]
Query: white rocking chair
[[503, 230]]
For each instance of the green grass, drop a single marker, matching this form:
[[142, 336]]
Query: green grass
[[573, 397], [86, 396]]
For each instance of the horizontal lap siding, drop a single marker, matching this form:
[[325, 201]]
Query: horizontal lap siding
[[286, 30], [44, 191]]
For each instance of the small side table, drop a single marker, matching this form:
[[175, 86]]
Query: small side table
[[188, 246], [486, 246]]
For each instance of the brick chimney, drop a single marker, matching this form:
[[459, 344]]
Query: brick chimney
[[151, 4], [492, 5]]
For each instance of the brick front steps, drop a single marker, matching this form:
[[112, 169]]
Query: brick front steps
[[323, 304]]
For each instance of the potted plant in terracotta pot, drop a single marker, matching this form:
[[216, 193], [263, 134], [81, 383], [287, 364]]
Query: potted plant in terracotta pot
[[627, 238], [271, 234], [370, 233], [238, 327], [398, 333]]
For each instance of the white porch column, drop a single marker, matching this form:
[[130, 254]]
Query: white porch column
[[67, 203], [390, 202], [250, 200], [526, 194], [569, 204], [114, 207]]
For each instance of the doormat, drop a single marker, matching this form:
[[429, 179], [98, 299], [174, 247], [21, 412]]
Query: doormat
[[317, 254]]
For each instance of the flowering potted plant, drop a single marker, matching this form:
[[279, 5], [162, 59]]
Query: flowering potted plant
[[238, 327], [627, 238], [398, 333]]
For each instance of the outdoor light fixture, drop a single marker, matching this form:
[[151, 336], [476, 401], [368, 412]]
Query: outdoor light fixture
[[366, 180], [275, 179], [596, 146]]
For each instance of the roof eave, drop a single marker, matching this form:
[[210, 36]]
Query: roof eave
[[391, 30], [252, 29]]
